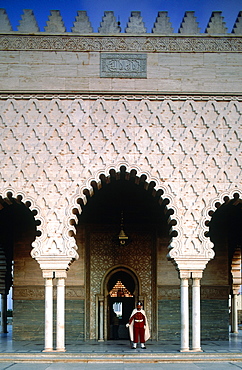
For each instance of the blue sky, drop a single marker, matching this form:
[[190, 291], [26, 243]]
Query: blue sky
[[122, 10]]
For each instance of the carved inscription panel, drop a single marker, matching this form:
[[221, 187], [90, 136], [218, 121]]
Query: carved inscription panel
[[123, 65]]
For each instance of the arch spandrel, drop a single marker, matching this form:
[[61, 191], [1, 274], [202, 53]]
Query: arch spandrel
[[52, 252]]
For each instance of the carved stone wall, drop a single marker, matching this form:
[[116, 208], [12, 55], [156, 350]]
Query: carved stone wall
[[191, 145], [65, 125], [168, 108]]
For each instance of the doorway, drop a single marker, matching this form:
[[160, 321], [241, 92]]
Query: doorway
[[122, 291]]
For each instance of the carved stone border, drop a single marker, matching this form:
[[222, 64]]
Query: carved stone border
[[119, 43], [115, 95], [212, 207], [36, 292]]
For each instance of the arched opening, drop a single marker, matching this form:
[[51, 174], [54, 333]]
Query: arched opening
[[226, 234], [127, 205], [121, 290], [18, 229]]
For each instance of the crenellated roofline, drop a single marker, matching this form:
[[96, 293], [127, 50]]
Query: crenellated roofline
[[109, 24]]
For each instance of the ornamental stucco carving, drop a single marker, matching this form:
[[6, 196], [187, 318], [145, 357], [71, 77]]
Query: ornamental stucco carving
[[53, 148], [104, 255], [148, 44], [234, 194]]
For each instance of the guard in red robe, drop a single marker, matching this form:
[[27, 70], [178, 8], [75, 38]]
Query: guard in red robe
[[138, 327]]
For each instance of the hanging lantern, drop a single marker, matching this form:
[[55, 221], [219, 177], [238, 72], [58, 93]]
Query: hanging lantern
[[122, 237]]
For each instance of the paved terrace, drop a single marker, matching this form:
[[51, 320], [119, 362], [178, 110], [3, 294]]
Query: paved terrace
[[119, 351]]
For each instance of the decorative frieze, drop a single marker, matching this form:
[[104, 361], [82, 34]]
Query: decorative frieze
[[168, 292], [38, 292], [75, 292], [214, 292], [151, 96], [119, 43], [207, 292], [28, 292]]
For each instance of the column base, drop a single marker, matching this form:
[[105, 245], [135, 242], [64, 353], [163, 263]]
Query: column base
[[60, 350], [184, 350], [48, 350], [196, 350]]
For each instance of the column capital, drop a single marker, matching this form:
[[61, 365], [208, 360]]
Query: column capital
[[197, 274], [191, 263], [183, 274], [48, 274], [188, 273], [54, 263], [60, 274], [236, 289]]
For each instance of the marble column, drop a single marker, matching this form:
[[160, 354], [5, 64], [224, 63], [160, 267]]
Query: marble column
[[101, 321], [4, 313], [184, 313], [236, 284], [234, 306], [196, 324], [60, 311], [48, 312]]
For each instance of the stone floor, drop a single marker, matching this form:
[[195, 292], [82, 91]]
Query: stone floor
[[119, 366], [118, 355]]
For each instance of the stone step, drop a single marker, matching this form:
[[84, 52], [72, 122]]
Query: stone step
[[134, 357]]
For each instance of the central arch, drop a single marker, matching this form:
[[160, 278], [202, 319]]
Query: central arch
[[148, 220]]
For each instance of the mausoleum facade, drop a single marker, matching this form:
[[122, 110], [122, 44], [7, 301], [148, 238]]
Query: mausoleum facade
[[120, 177]]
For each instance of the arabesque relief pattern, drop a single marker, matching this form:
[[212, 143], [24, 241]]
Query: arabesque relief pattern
[[50, 149], [147, 44], [104, 255]]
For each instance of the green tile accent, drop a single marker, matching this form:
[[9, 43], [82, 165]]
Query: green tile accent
[[28, 320], [75, 320], [169, 319], [214, 319]]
